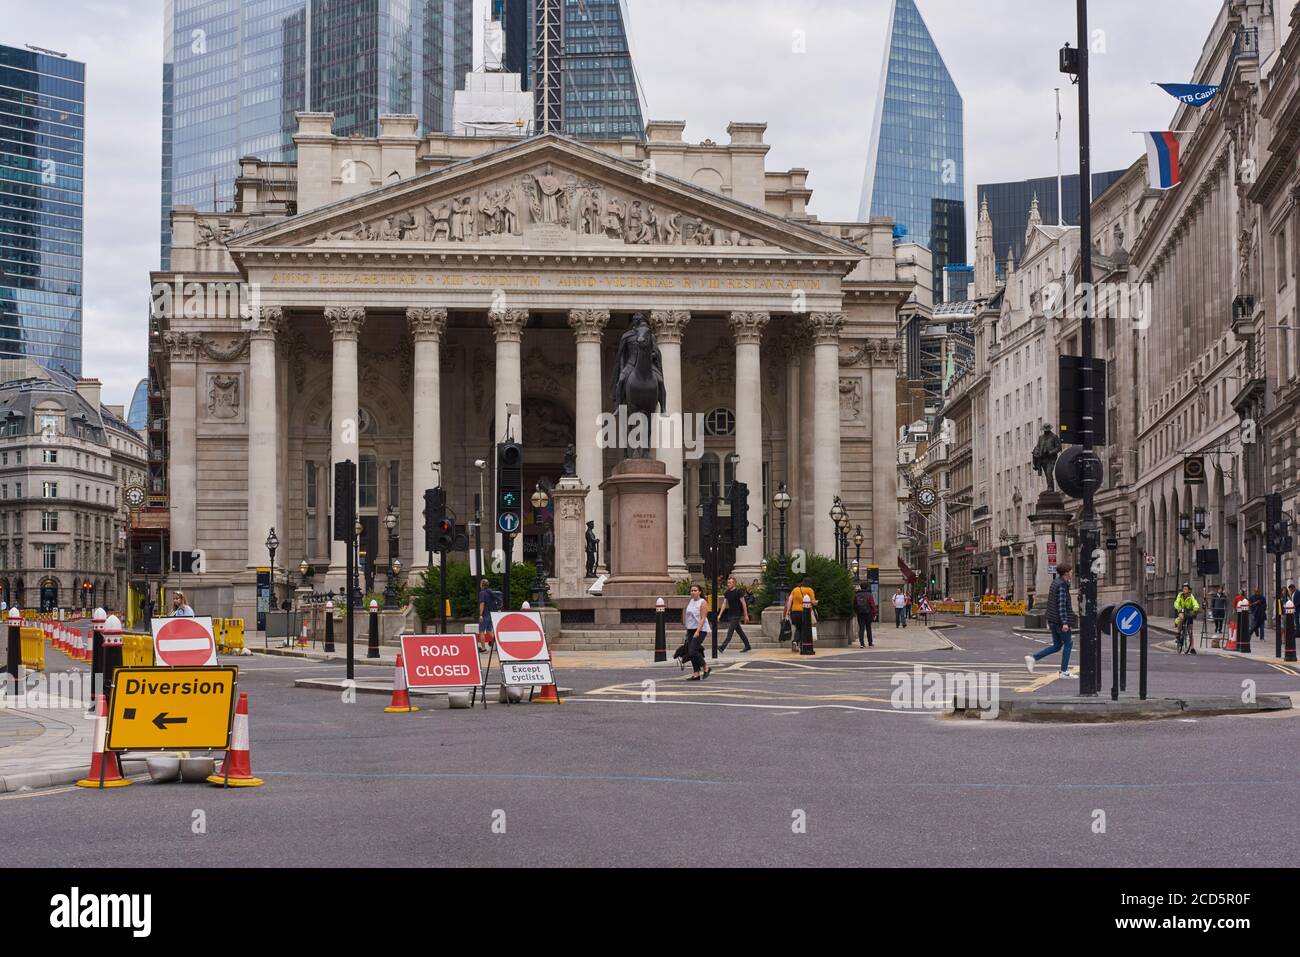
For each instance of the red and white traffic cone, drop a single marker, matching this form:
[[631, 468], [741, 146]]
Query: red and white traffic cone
[[302, 637], [401, 703], [549, 694], [237, 770], [108, 766]]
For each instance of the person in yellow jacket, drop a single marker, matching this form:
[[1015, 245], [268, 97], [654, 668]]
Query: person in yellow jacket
[[1185, 608]]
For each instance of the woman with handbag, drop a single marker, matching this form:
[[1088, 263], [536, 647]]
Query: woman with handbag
[[799, 605], [695, 618]]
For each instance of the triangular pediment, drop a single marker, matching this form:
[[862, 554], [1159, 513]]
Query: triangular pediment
[[542, 194]]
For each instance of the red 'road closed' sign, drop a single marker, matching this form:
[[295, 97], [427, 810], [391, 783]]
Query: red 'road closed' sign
[[519, 636], [184, 642], [441, 661]]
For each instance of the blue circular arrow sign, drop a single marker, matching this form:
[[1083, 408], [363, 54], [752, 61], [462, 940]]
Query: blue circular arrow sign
[[1129, 619], [508, 522]]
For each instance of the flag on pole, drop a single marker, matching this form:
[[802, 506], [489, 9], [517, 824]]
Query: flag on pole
[[1164, 170], [1193, 94]]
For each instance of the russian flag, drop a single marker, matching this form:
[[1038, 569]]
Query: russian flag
[[1164, 171]]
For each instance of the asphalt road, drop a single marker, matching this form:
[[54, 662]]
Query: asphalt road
[[798, 762]]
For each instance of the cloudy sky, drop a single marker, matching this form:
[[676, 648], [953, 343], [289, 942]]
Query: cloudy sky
[[707, 62]]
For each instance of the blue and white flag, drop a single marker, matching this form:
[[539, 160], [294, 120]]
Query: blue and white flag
[[1193, 94]]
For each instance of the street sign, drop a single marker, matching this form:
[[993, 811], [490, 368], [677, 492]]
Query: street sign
[[1051, 554], [508, 522], [519, 636], [441, 661], [1150, 562], [1129, 619], [166, 708], [526, 673], [184, 642]]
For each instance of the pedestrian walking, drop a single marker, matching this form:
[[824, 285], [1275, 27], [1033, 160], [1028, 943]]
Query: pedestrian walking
[[1258, 615], [900, 609], [180, 607], [1218, 609], [735, 609], [864, 604], [487, 603], [695, 619], [799, 605], [1061, 620]]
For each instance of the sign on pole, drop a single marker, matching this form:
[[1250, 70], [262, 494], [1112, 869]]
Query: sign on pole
[[520, 636], [171, 708], [527, 673], [184, 642], [441, 661], [1051, 554], [1150, 564]]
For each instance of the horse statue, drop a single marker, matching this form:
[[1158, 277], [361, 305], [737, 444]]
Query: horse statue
[[639, 380]]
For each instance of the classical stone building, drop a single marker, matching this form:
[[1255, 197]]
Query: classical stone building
[[64, 461], [393, 301]]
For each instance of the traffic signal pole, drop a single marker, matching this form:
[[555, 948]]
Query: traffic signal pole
[[1090, 528]]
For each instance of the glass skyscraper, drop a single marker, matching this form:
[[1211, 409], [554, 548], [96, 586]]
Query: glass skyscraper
[[236, 71], [42, 151], [1009, 207], [916, 163]]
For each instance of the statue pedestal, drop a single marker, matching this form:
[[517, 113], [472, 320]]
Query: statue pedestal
[[570, 498], [1049, 516], [637, 493]]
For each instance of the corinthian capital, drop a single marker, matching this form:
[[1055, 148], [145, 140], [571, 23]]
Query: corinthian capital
[[345, 322], [669, 325], [427, 324], [508, 324], [748, 327], [183, 346], [588, 324], [826, 327], [266, 322]]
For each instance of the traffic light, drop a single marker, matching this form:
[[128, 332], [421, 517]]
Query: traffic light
[[1277, 541], [345, 501], [709, 519], [445, 540], [435, 512], [510, 487], [1071, 406], [739, 514]]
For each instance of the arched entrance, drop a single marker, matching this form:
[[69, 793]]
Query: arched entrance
[[49, 594]]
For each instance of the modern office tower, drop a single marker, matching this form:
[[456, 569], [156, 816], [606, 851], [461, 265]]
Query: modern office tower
[[42, 152], [1009, 207], [583, 78], [915, 164], [236, 71], [137, 415], [516, 19]]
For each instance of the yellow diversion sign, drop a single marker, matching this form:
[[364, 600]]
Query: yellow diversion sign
[[171, 708]]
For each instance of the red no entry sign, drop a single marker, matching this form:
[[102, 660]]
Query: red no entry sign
[[184, 642], [441, 661], [519, 636]]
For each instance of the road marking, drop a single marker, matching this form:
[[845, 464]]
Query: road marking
[[1286, 670], [768, 707], [1040, 683]]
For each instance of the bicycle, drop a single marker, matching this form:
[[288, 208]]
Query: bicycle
[[1185, 634]]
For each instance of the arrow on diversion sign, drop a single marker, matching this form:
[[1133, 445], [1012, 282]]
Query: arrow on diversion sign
[[162, 721]]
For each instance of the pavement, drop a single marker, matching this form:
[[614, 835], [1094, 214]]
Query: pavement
[[776, 759]]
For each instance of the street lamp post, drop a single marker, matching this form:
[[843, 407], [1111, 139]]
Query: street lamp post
[[858, 539], [354, 586], [782, 502], [540, 569], [837, 518], [272, 545], [390, 586]]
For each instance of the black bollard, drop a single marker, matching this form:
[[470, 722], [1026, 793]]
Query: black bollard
[[329, 626], [15, 645], [372, 650], [1288, 630], [112, 639], [661, 632], [805, 632], [1243, 626], [97, 657]]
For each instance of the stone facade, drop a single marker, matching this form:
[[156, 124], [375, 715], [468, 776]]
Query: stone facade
[[400, 298]]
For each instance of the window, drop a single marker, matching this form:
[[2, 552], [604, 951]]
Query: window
[[49, 521], [4, 458], [49, 489], [311, 485], [720, 422], [395, 484], [367, 480], [18, 457], [49, 556], [18, 489], [50, 456]]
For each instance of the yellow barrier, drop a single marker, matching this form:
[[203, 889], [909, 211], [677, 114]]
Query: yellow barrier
[[137, 651], [32, 648], [998, 607], [233, 629]]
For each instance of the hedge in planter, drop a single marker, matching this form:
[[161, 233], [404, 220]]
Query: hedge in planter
[[832, 584], [462, 589]]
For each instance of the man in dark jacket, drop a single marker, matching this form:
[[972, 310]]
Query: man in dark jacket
[[864, 604], [1061, 619], [1258, 614]]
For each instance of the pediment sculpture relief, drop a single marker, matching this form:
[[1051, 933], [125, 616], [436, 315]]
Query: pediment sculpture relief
[[546, 202]]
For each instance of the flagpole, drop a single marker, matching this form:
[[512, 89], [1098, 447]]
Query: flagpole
[[1060, 192]]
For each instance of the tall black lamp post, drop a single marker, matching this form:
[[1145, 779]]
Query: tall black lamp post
[[858, 539], [390, 586], [355, 593], [782, 502], [272, 545], [837, 516], [541, 568]]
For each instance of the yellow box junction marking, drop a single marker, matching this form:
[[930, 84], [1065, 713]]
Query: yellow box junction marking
[[171, 708]]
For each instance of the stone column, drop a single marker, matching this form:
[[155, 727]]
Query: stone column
[[884, 457], [428, 326], [508, 330], [182, 461], [807, 402], [588, 327], [345, 324], [794, 342], [669, 328], [747, 327], [826, 426], [263, 437]]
